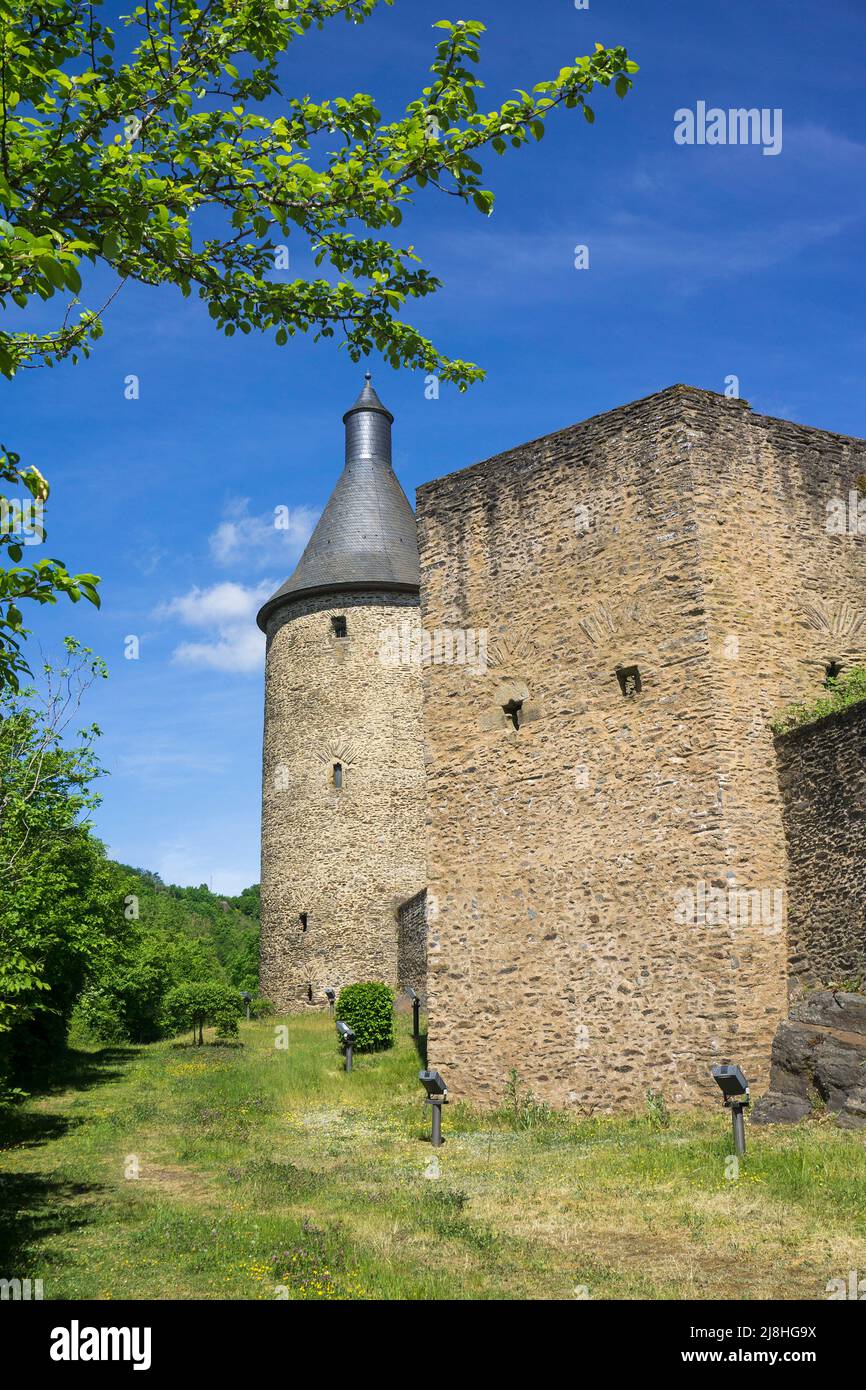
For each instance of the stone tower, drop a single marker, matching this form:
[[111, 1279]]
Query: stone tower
[[343, 764]]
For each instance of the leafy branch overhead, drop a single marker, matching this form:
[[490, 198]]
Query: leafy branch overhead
[[39, 582], [172, 151]]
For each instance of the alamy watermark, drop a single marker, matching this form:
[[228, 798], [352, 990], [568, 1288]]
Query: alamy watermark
[[22, 520], [21, 1289], [853, 1287], [707, 906], [407, 645], [846, 517], [736, 126]]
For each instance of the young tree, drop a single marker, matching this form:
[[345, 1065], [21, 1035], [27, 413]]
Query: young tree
[[201, 1002], [61, 904]]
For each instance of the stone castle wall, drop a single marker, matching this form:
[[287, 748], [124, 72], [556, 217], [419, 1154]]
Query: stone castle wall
[[822, 775], [784, 598], [344, 857], [606, 881], [412, 945]]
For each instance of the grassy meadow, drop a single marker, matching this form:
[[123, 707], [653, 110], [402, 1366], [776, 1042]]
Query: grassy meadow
[[269, 1173]]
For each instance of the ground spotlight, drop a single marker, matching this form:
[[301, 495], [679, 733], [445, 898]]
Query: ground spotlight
[[331, 995], [437, 1096], [347, 1038], [416, 1007], [735, 1089], [248, 999]]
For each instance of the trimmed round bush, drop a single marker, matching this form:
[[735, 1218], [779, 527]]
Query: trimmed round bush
[[368, 1009]]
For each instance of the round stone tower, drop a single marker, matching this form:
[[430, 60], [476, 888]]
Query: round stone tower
[[343, 765]]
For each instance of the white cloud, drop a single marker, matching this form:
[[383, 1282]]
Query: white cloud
[[226, 612], [270, 538]]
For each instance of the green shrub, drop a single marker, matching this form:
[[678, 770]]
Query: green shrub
[[844, 690], [657, 1110], [521, 1109], [368, 1009], [200, 1002]]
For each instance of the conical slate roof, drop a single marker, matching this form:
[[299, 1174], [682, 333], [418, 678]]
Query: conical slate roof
[[368, 400], [365, 537]]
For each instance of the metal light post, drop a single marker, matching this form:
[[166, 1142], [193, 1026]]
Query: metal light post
[[348, 1039], [735, 1089], [330, 995], [437, 1096], [248, 999], [416, 1010]]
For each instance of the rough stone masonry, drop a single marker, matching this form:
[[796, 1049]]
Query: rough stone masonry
[[606, 864]]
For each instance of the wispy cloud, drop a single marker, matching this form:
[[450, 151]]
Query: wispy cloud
[[276, 537], [162, 764], [658, 251], [226, 612], [826, 148], [183, 861]]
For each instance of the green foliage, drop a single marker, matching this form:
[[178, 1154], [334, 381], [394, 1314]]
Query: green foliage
[[78, 933], [368, 1009], [61, 907], [24, 491], [199, 1003], [179, 935], [657, 1110], [260, 1007], [177, 157], [520, 1108], [844, 690]]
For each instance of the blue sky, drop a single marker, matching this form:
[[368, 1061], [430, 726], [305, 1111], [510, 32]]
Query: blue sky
[[705, 261]]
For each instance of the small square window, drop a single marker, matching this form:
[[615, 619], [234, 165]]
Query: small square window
[[512, 710], [302, 921], [338, 625]]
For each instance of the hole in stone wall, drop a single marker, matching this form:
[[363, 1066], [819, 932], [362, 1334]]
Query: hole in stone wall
[[831, 671], [338, 624], [512, 708], [338, 776], [302, 921], [629, 680]]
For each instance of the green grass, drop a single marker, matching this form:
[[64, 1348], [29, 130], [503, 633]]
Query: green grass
[[842, 692], [270, 1173]]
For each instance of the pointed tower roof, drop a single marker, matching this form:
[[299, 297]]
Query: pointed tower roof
[[368, 400], [365, 537]]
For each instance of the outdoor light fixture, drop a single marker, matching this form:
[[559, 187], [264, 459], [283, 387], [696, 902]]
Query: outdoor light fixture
[[735, 1089], [347, 1037], [330, 995], [416, 1006], [248, 999], [437, 1096]]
